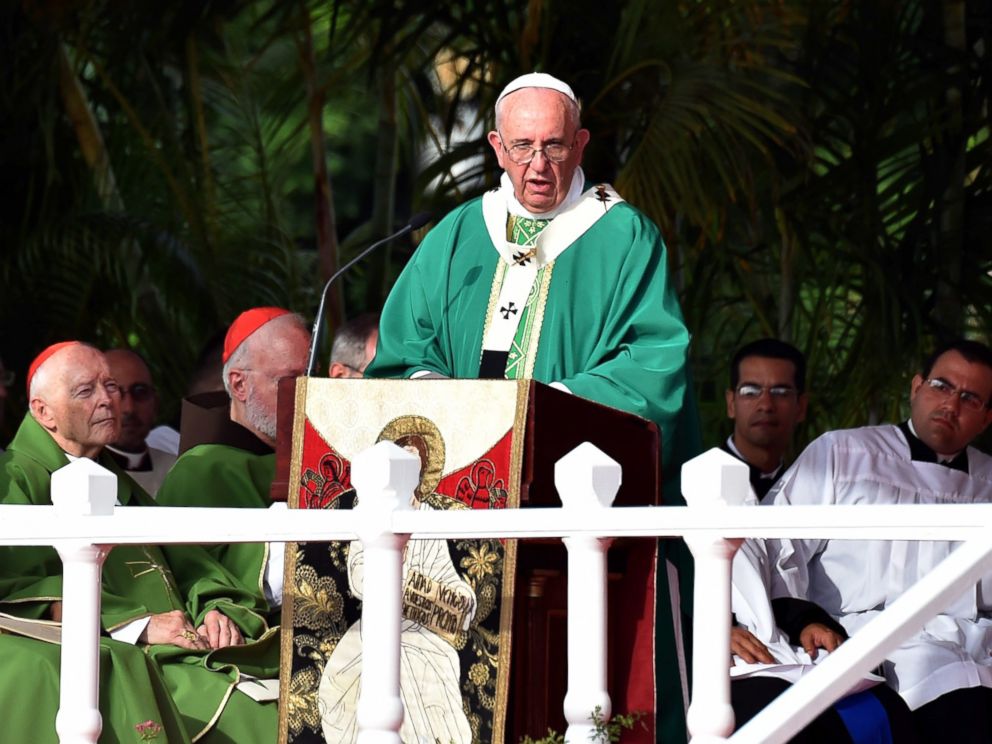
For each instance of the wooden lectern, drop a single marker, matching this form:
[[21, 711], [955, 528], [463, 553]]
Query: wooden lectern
[[483, 444]]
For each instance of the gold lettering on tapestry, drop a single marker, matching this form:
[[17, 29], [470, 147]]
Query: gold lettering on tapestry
[[435, 606]]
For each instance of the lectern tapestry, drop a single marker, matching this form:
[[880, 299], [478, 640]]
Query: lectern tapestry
[[455, 634]]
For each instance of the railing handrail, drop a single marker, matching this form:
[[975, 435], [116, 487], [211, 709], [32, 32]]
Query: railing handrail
[[383, 522], [43, 525]]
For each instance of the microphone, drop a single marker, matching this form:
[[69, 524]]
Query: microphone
[[416, 222]]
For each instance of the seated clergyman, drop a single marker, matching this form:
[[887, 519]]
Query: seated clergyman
[[146, 464], [237, 458], [944, 672], [179, 633]]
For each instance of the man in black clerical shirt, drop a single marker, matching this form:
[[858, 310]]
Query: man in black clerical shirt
[[147, 465], [766, 400], [943, 673]]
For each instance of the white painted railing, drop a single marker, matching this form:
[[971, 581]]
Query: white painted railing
[[84, 524]]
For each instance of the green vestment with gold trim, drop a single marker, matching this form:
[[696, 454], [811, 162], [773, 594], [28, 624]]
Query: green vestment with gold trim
[[139, 683], [612, 332], [221, 475]]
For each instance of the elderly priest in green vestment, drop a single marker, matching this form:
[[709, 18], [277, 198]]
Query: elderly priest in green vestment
[[235, 469], [557, 279], [179, 634]]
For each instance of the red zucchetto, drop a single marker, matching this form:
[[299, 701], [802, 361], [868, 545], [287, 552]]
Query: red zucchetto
[[44, 357], [246, 324]]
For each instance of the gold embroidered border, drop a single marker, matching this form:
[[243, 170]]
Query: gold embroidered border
[[289, 560], [216, 716], [299, 427], [286, 639], [537, 313], [500, 711]]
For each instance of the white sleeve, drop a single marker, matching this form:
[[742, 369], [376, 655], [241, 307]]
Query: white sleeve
[[808, 482], [132, 631], [274, 567]]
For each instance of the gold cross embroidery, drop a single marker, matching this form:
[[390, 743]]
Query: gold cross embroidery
[[143, 568], [524, 256], [151, 566]]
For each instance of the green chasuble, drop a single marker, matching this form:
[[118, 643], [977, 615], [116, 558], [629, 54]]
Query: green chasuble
[[220, 475], [610, 329], [189, 693]]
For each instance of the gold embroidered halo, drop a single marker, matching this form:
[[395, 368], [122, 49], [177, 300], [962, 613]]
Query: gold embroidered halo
[[423, 435]]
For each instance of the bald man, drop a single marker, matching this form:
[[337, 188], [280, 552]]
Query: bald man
[[176, 603], [147, 465], [262, 346]]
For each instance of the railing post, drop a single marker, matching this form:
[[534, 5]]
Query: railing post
[[81, 489], [715, 479], [384, 477], [587, 481]]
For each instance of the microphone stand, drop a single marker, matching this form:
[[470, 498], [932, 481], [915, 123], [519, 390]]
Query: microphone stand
[[415, 223]]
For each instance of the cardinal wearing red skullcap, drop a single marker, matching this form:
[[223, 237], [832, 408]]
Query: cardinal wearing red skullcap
[[228, 457], [177, 602], [246, 324]]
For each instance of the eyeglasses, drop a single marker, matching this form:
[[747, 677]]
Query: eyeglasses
[[139, 392], [944, 389], [522, 153], [6, 377], [749, 391]]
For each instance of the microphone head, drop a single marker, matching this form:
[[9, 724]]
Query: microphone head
[[419, 220]]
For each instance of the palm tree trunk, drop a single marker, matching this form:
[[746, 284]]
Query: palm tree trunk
[[198, 119], [949, 312], [88, 134], [787, 276], [324, 221]]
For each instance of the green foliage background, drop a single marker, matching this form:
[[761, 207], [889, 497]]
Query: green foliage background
[[820, 170]]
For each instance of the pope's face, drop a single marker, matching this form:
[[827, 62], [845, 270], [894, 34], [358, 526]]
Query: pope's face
[[82, 402], [538, 117], [941, 420]]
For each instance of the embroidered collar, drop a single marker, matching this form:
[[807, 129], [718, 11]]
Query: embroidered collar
[[563, 228]]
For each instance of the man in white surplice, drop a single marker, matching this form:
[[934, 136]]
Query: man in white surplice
[[944, 672]]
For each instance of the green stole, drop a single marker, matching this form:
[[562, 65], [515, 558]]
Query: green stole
[[524, 231]]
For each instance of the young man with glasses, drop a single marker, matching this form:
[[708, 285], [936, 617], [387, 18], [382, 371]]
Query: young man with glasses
[[553, 278], [766, 401], [944, 672], [147, 465]]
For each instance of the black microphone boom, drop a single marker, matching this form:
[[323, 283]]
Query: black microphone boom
[[416, 222]]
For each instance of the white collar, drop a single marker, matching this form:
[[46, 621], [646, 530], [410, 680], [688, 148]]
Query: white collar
[[133, 459], [517, 209], [733, 448]]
